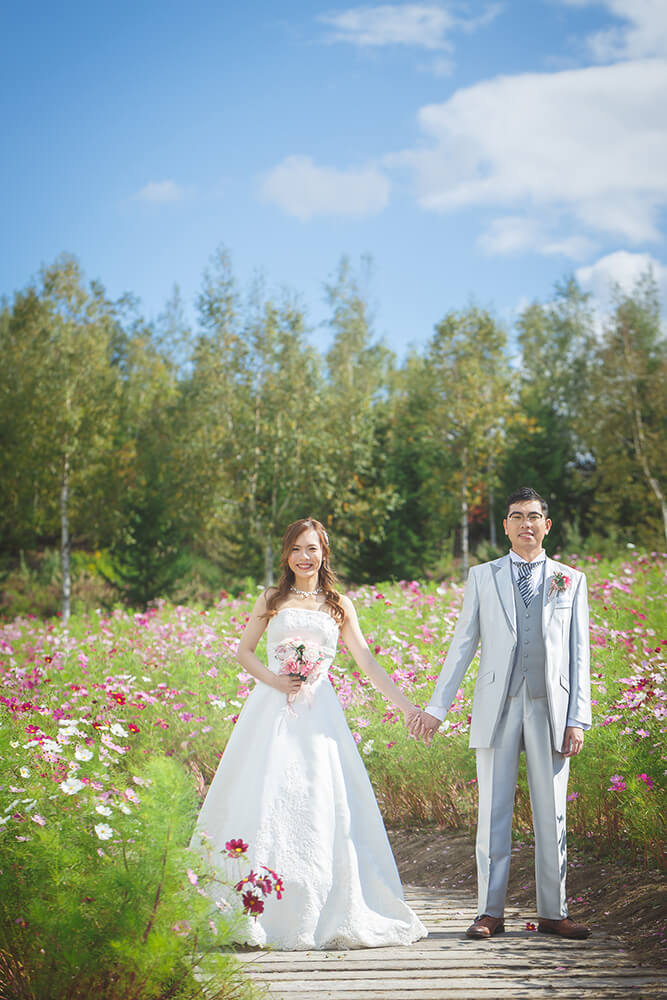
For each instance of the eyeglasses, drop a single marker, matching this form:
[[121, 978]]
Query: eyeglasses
[[533, 517]]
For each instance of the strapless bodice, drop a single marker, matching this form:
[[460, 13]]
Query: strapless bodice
[[302, 625]]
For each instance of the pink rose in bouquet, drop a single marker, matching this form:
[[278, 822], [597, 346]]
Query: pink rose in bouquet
[[299, 658]]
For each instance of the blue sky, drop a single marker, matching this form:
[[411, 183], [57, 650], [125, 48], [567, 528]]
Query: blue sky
[[476, 150]]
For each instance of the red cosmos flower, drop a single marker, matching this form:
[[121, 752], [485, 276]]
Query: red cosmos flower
[[133, 727], [252, 904], [235, 847], [118, 697], [530, 927], [250, 879], [48, 659]]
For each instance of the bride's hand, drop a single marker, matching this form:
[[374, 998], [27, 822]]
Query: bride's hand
[[412, 715], [289, 684]]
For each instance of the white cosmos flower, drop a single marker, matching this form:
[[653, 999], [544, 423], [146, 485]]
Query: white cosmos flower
[[124, 809], [51, 746], [103, 810], [83, 753], [132, 796], [367, 747], [118, 730], [24, 772], [103, 831], [14, 744], [71, 786], [73, 767]]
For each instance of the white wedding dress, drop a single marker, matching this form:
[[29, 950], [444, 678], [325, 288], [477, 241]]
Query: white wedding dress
[[292, 785]]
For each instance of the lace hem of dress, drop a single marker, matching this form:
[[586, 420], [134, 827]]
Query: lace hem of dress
[[345, 939]]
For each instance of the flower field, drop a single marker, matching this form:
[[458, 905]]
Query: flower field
[[110, 728]]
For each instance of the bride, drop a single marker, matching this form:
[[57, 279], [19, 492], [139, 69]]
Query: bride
[[291, 782]]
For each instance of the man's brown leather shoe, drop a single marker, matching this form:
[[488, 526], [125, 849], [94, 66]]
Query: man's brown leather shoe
[[565, 928], [486, 927]]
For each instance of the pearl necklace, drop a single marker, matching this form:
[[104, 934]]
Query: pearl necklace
[[304, 594]]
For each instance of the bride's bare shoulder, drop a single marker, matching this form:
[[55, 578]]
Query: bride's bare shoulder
[[262, 602], [347, 605]]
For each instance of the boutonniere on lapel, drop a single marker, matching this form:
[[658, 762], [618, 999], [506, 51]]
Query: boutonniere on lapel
[[559, 584]]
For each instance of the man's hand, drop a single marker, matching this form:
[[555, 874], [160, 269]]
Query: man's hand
[[573, 742]]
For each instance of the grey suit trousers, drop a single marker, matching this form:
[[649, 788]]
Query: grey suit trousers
[[524, 724]]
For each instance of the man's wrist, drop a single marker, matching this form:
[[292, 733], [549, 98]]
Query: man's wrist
[[436, 711]]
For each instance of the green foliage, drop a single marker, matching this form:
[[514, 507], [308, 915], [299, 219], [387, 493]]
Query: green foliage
[[162, 445], [88, 913]]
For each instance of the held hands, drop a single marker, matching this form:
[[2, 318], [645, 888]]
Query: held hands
[[420, 723]]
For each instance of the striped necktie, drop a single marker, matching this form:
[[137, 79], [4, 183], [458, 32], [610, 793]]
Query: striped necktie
[[526, 589]]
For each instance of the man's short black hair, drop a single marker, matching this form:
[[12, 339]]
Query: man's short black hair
[[526, 493]]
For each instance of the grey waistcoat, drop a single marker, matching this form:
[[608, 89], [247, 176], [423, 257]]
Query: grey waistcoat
[[530, 656]]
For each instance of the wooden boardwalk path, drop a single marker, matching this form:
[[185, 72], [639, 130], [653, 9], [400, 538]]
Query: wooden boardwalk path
[[447, 966]]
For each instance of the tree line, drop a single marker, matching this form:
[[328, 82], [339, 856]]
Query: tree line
[[166, 445]]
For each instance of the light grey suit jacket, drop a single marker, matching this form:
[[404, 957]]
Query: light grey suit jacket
[[489, 614]]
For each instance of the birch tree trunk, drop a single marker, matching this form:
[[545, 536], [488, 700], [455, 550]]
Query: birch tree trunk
[[493, 539], [464, 515], [65, 541], [268, 562]]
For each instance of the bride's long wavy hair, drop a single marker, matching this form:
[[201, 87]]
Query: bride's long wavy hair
[[326, 578]]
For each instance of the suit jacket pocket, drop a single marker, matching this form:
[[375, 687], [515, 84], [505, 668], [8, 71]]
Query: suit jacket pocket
[[486, 678]]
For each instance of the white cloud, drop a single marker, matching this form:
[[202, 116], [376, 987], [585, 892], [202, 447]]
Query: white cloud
[[622, 269], [586, 147], [516, 233], [159, 191], [301, 188], [643, 31], [421, 25]]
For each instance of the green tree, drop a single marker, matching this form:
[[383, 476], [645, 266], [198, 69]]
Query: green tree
[[252, 416], [548, 446], [470, 387], [627, 416], [355, 491], [60, 399], [150, 528]]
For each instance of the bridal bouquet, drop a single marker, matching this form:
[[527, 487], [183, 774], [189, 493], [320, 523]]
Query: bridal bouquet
[[299, 658]]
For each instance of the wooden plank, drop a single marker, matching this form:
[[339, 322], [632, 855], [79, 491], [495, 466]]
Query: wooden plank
[[450, 993], [447, 966], [404, 975]]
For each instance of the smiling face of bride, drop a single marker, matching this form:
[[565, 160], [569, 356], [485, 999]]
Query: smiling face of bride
[[305, 559]]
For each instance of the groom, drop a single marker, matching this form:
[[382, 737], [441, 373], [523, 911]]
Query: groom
[[532, 693]]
